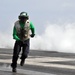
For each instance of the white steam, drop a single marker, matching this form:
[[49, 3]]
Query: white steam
[[55, 38], [6, 40]]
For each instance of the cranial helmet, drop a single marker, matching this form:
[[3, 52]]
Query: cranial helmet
[[23, 14]]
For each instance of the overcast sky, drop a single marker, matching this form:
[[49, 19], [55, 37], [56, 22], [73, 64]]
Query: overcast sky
[[41, 12]]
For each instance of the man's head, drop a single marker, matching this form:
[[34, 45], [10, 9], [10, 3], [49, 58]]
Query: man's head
[[23, 16]]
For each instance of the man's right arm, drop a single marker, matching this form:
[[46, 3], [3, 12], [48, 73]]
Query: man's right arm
[[15, 34]]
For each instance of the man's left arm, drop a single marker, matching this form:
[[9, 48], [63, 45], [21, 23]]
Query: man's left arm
[[32, 29]]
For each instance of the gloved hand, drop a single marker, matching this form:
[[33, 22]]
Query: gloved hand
[[32, 35]]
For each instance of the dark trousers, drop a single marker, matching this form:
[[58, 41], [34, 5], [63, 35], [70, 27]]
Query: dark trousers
[[17, 48]]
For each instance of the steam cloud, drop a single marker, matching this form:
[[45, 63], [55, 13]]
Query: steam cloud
[[6, 40], [56, 38]]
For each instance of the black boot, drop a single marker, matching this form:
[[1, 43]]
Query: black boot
[[13, 68], [22, 62]]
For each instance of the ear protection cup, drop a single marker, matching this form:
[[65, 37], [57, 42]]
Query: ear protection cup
[[19, 17]]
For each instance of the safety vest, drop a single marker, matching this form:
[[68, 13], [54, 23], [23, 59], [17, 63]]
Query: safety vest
[[23, 33]]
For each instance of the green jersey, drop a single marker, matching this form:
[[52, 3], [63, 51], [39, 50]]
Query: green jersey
[[22, 25]]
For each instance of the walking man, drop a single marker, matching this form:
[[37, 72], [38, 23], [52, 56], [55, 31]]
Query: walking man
[[21, 34]]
